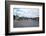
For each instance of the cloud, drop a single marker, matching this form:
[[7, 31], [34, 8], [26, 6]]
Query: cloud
[[26, 12]]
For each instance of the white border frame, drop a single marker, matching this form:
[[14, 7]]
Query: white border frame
[[26, 28]]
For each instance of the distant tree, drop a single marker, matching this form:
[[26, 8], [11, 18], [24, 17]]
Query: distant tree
[[14, 17]]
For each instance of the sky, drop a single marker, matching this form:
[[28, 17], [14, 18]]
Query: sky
[[26, 12]]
